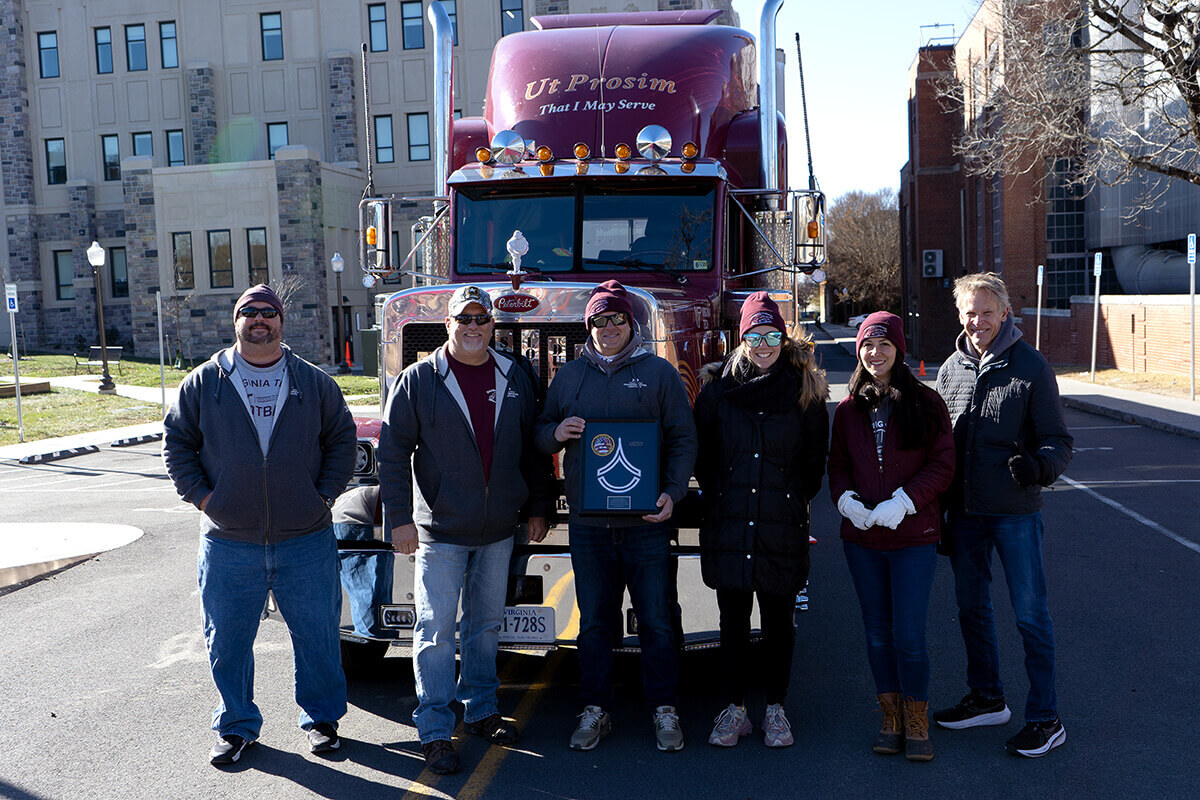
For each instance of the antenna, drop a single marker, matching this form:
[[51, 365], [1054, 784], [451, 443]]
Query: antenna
[[812, 181], [370, 190]]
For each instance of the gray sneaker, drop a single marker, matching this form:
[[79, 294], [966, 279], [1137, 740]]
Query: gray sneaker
[[666, 729], [594, 725]]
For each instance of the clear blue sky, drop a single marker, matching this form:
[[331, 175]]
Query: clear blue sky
[[856, 62]]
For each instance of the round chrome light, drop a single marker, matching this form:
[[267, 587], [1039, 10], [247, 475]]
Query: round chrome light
[[508, 147], [582, 151], [622, 151], [653, 142]]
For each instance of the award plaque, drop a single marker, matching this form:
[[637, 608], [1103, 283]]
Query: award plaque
[[619, 467]]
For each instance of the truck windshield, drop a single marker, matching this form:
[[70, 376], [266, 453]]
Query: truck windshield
[[586, 229]]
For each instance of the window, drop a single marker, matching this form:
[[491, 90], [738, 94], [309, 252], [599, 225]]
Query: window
[[168, 46], [56, 161], [48, 54], [413, 27], [418, 137], [135, 48], [220, 260], [175, 156], [64, 275], [377, 23], [277, 137], [111, 148], [181, 244], [104, 50], [143, 144], [451, 7], [271, 26], [512, 17], [118, 272], [385, 152], [256, 255]]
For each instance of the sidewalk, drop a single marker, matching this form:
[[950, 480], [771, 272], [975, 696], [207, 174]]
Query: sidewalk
[[1170, 414]]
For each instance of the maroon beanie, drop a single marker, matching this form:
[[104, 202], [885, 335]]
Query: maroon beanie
[[259, 294], [608, 297], [760, 309], [884, 324]]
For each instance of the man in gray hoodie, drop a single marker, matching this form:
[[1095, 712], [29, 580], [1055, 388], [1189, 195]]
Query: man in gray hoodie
[[262, 443], [1011, 441], [618, 377]]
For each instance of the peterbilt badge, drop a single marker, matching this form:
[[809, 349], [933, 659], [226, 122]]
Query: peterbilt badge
[[517, 303]]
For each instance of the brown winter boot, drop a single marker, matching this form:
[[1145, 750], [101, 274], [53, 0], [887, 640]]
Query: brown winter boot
[[890, 739], [917, 746]]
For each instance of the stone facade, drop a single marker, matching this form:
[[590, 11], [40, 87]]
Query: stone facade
[[343, 109], [202, 112], [16, 161], [141, 251], [308, 321]]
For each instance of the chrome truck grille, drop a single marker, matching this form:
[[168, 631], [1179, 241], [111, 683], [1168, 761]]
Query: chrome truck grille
[[547, 345]]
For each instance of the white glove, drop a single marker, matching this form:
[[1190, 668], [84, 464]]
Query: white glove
[[850, 507], [889, 513]]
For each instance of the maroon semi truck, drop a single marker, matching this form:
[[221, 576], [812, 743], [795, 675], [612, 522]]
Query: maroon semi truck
[[628, 146]]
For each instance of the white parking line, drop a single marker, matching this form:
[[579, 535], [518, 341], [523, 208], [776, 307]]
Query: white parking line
[[1149, 523], [57, 486], [1106, 428]]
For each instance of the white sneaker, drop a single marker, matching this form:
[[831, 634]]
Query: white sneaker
[[732, 724], [666, 729], [594, 725], [777, 731]]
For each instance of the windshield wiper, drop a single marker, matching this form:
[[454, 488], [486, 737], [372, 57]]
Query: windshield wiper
[[637, 263], [505, 267]]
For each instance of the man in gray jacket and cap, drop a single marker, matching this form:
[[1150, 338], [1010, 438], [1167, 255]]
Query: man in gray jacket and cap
[[456, 468], [1011, 441], [262, 443]]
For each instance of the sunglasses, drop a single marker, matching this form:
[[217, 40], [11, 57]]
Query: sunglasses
[[478, 319], [755, 339], [250, 312], [602, 320]]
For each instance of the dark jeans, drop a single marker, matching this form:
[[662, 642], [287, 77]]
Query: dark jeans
[[1017, 538], [366, 577], [893, 589], [605, 561], [778, 641]]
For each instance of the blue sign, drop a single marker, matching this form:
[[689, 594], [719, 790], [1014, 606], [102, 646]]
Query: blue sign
[[1191, 248], [619, 467]]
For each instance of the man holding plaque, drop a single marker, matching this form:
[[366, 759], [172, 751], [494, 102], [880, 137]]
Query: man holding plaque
[[595, 402], [456, 466]]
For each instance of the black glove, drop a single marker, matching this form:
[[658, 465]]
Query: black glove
[[1026, 469]]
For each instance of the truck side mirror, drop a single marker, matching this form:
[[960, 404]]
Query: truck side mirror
[[375, 237], [808, 209]]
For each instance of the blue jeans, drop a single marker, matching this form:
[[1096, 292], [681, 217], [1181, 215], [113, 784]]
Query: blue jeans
[[606, 560], [893, 589], [234, 580], [480, 575], [366, 577], [1017, 539]]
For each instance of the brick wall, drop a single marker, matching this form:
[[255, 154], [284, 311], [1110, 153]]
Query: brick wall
[[308, 326], [202, 112], [343, 113], [141, 252]]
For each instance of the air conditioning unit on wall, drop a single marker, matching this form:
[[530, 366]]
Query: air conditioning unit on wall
[[931, 263]]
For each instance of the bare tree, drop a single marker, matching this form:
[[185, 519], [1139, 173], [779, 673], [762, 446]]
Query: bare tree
[[863, 264], [1097, 91]]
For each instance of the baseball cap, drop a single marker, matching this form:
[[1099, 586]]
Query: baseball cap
[[465, 295]]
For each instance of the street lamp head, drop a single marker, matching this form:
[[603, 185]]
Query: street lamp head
[[95, 255], [337, 262]]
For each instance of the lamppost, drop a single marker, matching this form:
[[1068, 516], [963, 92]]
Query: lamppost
[[95, 257], [338, 264]]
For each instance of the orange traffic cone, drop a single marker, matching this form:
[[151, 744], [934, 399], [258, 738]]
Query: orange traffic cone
[[921, 371], [350, 364]]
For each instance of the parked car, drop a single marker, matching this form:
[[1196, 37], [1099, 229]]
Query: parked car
[[854, 322]]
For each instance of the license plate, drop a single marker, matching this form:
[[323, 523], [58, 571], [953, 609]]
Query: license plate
[[527, 624]]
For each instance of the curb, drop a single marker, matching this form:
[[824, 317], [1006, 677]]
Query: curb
[[132, 440], [55, 455], [1125, 416]]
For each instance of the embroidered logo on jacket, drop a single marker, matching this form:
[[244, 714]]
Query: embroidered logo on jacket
[[636, 383]]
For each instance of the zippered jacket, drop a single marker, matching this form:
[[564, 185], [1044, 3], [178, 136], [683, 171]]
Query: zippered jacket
[[210, 444], [645, 386], [430, 472], [1009, 396], [924, 473]]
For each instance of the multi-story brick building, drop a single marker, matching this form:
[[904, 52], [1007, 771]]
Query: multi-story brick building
[[210, 146]]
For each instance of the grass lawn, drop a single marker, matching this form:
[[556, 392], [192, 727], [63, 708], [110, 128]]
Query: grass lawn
[[63, 412], [131, 372]]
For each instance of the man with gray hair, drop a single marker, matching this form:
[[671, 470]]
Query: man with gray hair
[[1011, 441]]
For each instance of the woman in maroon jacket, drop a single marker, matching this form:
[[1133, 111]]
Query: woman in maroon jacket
[[891, 455]]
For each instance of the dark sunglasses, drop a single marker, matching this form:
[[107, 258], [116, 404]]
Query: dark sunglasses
[[249, 312], [478, 319], [755, 339], [602, 320]]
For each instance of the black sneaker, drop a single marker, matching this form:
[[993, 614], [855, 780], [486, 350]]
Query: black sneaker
[[440, 757], [1037, 738], [973, 711], [228, 749], [323, 738]]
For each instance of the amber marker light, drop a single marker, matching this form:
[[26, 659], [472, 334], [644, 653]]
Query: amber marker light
[[546, 169], [372, 236], [623, 151], [622, 167], [544, 154], [688, 167], [483, 155], [582, 151], [690, 150], [814, 229]]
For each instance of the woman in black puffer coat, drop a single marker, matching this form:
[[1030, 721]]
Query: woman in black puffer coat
[[764, 432]]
